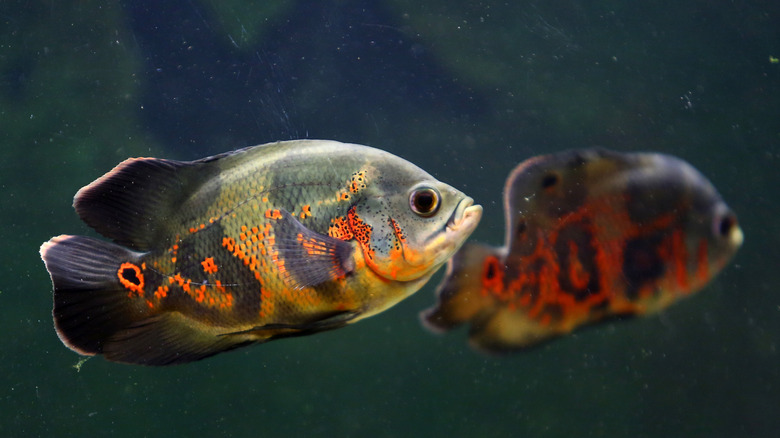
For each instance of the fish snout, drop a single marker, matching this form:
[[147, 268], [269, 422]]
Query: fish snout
[[465, 218], [725, 227]]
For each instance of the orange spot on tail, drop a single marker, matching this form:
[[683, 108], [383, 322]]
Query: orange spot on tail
[[131, 278]]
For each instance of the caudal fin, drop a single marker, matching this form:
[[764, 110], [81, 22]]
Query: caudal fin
[[468, 295], [101, 307], [460, 297], [90, 301]]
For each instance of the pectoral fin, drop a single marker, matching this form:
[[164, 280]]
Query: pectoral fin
[[309, 258]]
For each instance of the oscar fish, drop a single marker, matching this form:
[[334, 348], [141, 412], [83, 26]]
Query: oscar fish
[[590, 235], [272, 241]]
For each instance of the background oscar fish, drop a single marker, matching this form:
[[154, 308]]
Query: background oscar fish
[[591, 234], [272, 241]]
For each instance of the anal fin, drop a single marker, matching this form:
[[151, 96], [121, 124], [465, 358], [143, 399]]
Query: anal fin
[[168, 339], [327, 321]]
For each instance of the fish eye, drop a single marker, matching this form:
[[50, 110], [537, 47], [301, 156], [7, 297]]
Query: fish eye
[[424, 201], [550, 180], [725, 224]]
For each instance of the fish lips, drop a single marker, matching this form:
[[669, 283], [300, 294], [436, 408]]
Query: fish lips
[[464, 219]]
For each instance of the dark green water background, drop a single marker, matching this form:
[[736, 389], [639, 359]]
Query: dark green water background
[[464, 89]]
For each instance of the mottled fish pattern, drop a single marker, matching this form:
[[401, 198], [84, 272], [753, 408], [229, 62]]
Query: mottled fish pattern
[[278, 240], [591, 234]]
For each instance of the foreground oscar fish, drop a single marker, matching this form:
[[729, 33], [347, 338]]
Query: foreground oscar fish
[[591, 234], [279, 240]]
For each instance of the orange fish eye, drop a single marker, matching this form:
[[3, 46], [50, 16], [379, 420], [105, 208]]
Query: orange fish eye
[[424, 201]]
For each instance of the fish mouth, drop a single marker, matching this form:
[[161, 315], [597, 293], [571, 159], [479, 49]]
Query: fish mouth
[[464, 219]]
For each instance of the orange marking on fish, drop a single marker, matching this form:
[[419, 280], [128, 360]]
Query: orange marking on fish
[[161, 292], [492, 275], [273, 214], [578, 276], [681, 259], [266, 303], [339, 228], [208, 265], [228, 301], [131, 278], [674, 253], [399, 233], [360, 230]]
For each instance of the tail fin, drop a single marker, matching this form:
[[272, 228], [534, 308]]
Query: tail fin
[[99, 307], [460, 297], [467, 295], [90, 302]]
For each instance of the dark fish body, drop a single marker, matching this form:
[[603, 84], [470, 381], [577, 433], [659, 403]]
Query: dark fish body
[[278, 240], [591, 234]]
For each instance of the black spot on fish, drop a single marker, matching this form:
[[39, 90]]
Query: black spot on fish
[[550, 180], [641, 263], [490, 269], [130, 275], [521, 227]]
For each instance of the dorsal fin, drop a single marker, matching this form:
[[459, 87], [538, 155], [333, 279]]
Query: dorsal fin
[[130, 203]]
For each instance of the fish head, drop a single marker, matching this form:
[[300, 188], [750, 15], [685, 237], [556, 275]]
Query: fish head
[[711, 229], [701, 233], [408, 223]]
